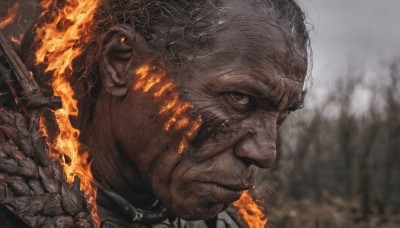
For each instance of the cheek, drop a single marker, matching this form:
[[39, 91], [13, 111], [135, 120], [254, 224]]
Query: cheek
[[192, 191], [137, 129], [185, 195]]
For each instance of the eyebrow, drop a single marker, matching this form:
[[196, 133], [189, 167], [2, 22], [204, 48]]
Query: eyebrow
[[251, 86], [270, 95]]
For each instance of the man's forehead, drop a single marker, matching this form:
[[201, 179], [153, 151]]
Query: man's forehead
[[255, 45]]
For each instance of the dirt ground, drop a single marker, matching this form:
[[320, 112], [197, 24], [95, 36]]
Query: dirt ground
[[330, 213]]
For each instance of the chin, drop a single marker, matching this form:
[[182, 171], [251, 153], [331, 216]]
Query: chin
[[200, 212], [205, 201]]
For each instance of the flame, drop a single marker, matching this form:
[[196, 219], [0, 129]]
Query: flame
[[11, 16], [251, 213], [60, 40], [153, 81]]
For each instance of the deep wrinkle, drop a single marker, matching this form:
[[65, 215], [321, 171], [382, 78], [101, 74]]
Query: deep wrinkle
[[230, 142]]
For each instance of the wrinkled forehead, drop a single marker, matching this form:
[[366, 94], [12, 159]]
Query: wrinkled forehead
[[254, 39]]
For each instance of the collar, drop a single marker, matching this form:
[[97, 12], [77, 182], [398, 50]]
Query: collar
[[135, 215]]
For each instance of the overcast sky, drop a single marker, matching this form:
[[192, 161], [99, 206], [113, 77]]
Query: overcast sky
[[361, 32]]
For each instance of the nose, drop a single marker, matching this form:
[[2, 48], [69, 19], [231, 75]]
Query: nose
[[258, 149]]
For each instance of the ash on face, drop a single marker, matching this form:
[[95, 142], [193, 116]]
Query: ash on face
[[240, 65]]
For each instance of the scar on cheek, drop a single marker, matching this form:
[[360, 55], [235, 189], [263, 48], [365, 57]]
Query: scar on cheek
[[153, 81]]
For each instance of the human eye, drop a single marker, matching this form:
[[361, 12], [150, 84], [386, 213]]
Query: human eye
[[239, 101], [240, 98]]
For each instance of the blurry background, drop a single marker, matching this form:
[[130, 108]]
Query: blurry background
[[339, 158]]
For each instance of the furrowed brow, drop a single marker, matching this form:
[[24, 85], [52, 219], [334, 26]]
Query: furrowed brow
[[264, 93]]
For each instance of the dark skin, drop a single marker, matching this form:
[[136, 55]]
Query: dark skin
[[243, 85]]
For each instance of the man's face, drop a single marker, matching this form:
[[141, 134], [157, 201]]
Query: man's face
[[242, 85]]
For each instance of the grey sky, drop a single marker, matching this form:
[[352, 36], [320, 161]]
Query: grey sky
[[361, 32]]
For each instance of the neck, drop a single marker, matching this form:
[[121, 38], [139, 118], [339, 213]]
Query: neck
[[111, 168]]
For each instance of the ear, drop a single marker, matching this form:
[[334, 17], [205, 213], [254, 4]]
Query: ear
[[120, 48]]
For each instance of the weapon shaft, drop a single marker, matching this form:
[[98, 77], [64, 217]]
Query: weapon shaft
[[29, 85], [32, 97]]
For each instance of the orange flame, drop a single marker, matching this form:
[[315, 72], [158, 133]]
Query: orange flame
[[251, 213], [60, 41], [153, 81], [11, 16]]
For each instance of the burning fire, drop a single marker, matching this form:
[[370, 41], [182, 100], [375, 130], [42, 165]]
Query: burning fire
[[11, 16], [60, 41], [251, 213], [153, 81]]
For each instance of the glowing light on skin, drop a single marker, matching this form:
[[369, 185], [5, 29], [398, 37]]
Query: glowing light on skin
[[58, 46], [153, 81]]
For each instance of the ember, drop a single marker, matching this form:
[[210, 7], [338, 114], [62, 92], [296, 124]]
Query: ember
[[251, 213], [18, 40], [163, 90], [59, 42], [11, 16]]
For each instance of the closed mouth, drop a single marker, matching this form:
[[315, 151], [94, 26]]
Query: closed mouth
[[235, 187], [226, 193]]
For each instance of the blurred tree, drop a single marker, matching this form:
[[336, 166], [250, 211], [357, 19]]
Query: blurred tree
[[341, 154]]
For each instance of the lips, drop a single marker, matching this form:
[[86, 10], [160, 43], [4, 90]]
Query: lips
[[236, 187], [226, 192]]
